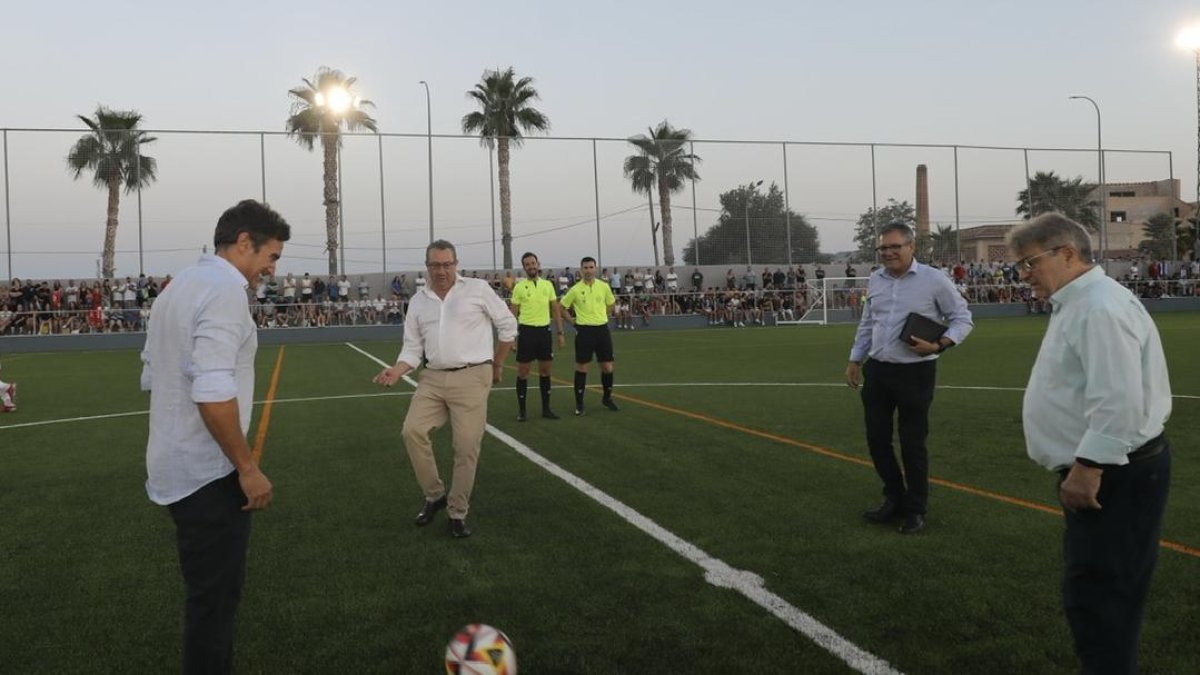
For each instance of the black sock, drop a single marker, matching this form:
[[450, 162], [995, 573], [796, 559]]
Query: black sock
[[606, 379], [580, 383], [522, 387], [544, 385]]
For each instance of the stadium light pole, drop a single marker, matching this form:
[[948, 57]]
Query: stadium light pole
[[1189, 39], [429, 138], [750, 193], [1103, 191]]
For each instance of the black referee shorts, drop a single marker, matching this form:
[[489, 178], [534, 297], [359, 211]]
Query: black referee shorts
[[591, 340], [534, 343]]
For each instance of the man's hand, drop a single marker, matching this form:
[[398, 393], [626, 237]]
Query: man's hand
[[922, 347], [497, 372], [562, 341], [257, 489], [389, 376], [1078, 491], [854, 374]]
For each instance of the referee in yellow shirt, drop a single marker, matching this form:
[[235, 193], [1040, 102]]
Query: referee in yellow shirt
[[534, 301], [593, 302]]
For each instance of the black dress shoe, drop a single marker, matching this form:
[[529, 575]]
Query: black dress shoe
[[913, 523], [459, 529], [549, 414], [430, 509], [610, 404], [883, 513]]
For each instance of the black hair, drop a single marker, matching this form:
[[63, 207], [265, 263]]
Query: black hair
[[258, 220]]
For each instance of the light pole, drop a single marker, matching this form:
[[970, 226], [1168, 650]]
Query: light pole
[[429, 137], [1189, 39], [1103, 191], [750, 192]]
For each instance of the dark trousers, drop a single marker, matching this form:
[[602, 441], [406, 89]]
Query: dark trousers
[[212, 533], [907, 388], [1109, 558]]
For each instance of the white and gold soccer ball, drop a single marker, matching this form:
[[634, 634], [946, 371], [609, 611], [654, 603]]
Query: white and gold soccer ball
[[479, 649]]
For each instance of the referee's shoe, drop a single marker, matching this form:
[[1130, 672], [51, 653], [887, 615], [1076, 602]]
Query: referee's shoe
[[610, 404]]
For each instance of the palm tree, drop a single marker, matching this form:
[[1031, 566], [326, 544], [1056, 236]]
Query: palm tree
[[319, 109], [944, 244], [664, 163], [112, 151], [1071, 197], [504, 115]]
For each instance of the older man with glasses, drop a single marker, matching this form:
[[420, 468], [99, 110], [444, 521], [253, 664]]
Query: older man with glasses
[[901, 370], [1094, 412], [449, 329]]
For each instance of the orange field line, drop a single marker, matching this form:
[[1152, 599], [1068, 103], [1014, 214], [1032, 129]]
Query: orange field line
[[1016, 501], [264, 422]]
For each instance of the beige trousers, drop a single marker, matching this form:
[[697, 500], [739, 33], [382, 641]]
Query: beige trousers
[[461, 397]]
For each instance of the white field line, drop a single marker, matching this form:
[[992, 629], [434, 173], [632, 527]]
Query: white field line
[[716, 572], [628, 385]]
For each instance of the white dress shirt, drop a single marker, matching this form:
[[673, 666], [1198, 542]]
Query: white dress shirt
[[1099, 388], [200, 348], [457, 331]]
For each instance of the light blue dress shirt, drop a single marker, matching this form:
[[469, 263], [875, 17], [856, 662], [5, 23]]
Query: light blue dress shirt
[[200, 348], [921, 289], [1099, 388]]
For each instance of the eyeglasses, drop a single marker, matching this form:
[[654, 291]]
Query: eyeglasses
[[441, 265], [1026, 264], [890, 248]]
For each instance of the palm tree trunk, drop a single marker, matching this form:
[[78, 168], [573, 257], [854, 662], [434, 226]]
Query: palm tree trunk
[[502, 158], [664, 205], [329, 148], [110, 226]]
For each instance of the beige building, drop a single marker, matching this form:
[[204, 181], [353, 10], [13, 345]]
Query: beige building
[[1129, 206]]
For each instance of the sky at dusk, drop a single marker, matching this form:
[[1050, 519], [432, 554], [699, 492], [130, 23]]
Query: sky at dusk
[[938, 73]]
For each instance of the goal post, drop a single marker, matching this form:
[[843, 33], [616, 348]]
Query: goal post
[[830, 300]]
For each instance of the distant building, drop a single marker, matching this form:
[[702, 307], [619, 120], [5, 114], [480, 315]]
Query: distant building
[[1129, 206]]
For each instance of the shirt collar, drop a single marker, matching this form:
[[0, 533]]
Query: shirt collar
[[209, 259], [427, 289], [912, 269], [1077, 286]]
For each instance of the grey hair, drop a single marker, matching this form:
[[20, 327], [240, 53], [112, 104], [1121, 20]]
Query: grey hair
[[441, 245], [1048, 231], [898, 227]]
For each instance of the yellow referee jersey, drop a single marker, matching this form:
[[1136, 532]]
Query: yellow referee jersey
[[534, 298], [591, 303]]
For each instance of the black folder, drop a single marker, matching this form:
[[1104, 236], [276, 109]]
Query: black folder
[[923, 327]]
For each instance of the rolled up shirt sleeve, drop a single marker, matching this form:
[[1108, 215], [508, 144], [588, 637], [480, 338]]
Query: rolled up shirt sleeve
[[862, 336], [222, 325], [502, 318], [1114, 402], [413, 348], [954, 307], [147, 379]]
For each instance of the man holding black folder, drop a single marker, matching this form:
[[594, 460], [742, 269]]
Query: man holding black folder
[[899, 338]]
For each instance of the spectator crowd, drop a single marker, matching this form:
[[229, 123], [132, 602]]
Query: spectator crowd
[[744, 296]]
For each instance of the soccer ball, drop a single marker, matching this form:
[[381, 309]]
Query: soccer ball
[[478, 649]]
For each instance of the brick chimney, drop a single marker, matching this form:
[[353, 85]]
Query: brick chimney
[[922, 199]]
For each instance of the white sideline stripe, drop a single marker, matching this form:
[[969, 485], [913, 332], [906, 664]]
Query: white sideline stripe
[[716, 572], [75, 419], [618, 386], [135, 413]]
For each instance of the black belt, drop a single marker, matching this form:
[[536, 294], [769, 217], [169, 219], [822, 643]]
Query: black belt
[[469, 365], [1149, 449]]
